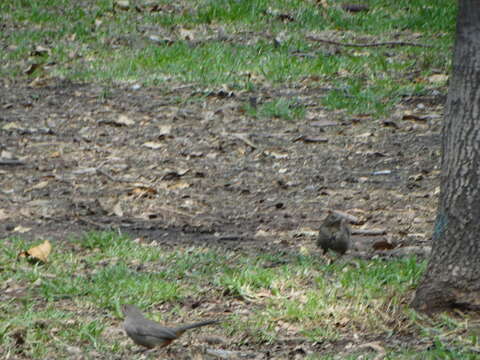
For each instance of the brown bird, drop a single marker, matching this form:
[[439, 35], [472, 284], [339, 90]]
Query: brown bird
[[334, 234], [149, 333]]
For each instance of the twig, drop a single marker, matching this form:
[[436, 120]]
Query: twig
[[386, 43], [244, 138], [11, 162], [176, 212], [369, 231], [91, 222], [104, 173], [110, 177]]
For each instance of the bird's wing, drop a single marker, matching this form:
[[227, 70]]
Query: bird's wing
[[151, 328]]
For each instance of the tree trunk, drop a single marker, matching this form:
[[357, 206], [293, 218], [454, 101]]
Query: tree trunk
[[452, 278]]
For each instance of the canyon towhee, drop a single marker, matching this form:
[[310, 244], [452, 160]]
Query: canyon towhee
[[334, 234], [149, 333]]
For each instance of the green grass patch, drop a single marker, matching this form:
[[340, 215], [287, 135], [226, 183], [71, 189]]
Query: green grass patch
[[78, 293], [286, 109], [103, 43]]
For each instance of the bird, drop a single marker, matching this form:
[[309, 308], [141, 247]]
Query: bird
[[334, 234], [151, 334]]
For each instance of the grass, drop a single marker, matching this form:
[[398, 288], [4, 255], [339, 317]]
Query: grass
[[71, 305], [73, 300], [282, 108], [231, 43]]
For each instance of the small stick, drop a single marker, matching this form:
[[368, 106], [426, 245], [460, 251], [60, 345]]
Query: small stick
[[243, 138], [11, 162], [386, 43], [369, 231], [110, 177]]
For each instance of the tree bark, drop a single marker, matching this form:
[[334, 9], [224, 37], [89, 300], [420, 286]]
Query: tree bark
[[452, 278]]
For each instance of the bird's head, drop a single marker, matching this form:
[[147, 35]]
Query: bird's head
[[131, 310], [332, 219]]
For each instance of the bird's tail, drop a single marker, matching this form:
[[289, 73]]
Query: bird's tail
[[183, 328]]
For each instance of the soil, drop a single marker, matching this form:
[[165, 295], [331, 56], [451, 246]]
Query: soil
[[184, 165]]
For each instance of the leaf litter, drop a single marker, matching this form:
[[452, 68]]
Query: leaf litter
[[225, 180]]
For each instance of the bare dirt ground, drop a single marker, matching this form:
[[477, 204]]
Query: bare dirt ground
[[188, 166], [97, 157]]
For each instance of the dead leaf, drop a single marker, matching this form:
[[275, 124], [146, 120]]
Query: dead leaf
[[342, 322], [311, 139], [304, 232], [364, 135], [3, 215], [37, 186], [411, 116], [390, 123], [178, 185], [262, 233], [11, 126], [143, 191], [361, 53], [170, 174], [284, 17], [153, 145], [124, 120], [6, 155], [40, 51], [288, 327], [117, 209], [165, 130], [21, 229], [264, 293], [304, 250], [276, 154], [84, 171], [160, 40], [30, 69], [38, 253], [122, 4], [323, 4], [438, 78], [186, 34], [221, 94]]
